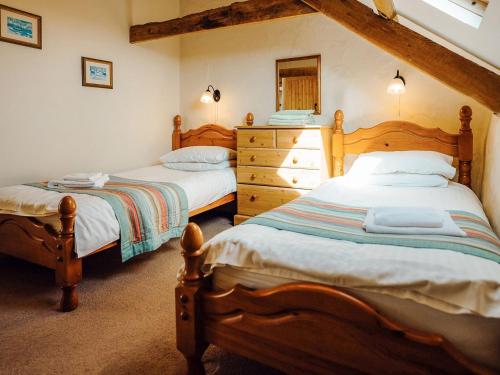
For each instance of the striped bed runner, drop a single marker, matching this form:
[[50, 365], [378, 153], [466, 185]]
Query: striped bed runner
[[149, 213], [319, 218]]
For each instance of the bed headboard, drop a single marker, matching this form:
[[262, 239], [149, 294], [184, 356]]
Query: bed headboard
[[402, 136], [205, 135]]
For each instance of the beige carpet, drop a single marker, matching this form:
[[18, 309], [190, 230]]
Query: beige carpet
[[124, 325]]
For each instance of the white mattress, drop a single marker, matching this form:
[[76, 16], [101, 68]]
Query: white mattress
[[475, 336], [96, 224], [445, 280]]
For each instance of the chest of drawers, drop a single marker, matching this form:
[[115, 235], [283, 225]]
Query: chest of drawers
[[279, 163]]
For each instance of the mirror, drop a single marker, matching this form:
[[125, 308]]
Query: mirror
[[298, 83]]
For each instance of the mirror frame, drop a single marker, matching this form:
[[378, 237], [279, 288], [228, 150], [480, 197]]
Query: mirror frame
[[318, 59]]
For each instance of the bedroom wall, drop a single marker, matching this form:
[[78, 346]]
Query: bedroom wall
[[491, 196], [51, 125], [355, 74]]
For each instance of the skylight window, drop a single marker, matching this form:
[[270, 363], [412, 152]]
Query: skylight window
[[468, 11]]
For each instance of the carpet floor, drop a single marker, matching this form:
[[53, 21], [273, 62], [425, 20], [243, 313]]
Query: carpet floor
[[125, 323]]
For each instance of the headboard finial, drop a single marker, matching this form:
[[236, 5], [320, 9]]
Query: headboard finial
[[176, 134], [465, 118], [249, 119], [177, 121], [339, 120]]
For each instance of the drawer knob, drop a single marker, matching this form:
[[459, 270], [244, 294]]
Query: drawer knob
[[252, 158], [295, 160], [253, 176], [295, 140], [295, 180], [253, 198], [252, 139]]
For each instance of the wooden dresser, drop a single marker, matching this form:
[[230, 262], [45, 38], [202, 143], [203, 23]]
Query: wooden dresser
[[279, 163]]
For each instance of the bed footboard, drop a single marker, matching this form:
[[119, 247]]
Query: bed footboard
[[27, 238], [301, 328]]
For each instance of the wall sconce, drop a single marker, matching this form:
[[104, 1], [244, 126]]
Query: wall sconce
[[210, 96], [397, 86]]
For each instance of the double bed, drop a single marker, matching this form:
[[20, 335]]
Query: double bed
[[74, 226], [316, 305]]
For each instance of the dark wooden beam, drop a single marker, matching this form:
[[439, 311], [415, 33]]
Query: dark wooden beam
[[231, 15], [447, 66]]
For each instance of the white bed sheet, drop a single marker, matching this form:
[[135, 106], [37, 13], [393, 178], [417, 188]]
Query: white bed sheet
[[96, 224], [447, 281], [475, 336]]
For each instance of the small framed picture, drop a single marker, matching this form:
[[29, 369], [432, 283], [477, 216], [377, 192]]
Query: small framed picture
[[97, 73], [20, 27]]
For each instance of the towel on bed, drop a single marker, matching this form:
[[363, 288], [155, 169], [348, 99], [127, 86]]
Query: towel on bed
[[426, 217], [149, 213], [447, 228], [316, 217]]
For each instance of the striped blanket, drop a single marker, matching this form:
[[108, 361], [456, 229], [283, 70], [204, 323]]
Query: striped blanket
[[149, 213], [319, 218]]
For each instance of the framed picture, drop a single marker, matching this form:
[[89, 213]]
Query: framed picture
[[97, 73], [20, 27]]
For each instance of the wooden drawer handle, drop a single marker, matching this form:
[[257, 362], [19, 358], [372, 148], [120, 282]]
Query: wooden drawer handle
[[252, 139], [295, 180], [252, 158], [295, 160], [253, 198], [253, 177], [295, 140]]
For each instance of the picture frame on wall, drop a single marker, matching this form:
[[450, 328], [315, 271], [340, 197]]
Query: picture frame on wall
[[97, 73], [20, 27]]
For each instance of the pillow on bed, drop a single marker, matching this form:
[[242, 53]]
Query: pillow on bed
[[413, 162], [199, 154], [199, 167], [404, 180]]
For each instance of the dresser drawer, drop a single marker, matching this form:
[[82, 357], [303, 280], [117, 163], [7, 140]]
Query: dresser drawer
[[294, 158], [253, 199], [284, 177], [304, 138], [265, 138]]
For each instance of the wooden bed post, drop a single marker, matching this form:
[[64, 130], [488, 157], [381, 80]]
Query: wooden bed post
[[249, 119], [68, 266], [190, 341], [465, 150], [176, 134], [338, 144]]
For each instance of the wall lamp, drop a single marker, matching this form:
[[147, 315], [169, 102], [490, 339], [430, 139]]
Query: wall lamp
[[397, 85], [210, 96]]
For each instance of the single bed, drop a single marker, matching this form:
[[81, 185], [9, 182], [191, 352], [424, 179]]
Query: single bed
[[250, 290], [60, 241]]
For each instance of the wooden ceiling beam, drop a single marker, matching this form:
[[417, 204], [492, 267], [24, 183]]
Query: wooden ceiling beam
[[386, 9], [235, 14], [447, 66]]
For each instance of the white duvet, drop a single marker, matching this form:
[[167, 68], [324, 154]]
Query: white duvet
[[445, 280], [96, 224]]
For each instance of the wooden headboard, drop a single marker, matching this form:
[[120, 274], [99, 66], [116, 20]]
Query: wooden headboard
[[205, 135], [402, 136]]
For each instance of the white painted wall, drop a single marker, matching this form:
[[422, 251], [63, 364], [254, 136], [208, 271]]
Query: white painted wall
[[51, 125], [491, 196], [355, 74]]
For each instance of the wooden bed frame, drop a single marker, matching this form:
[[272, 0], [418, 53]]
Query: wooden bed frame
[[29, 239], [310, 328]]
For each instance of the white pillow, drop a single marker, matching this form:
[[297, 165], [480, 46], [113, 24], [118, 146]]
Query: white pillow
[[402, 180], [199, 167], [199, 154], [415, 162]]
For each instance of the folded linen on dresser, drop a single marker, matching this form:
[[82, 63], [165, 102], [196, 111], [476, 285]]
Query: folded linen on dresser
[[292, 117], [448, 227], [426, 217]]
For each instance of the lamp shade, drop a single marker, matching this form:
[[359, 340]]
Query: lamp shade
[[207, 97], [396, 87]]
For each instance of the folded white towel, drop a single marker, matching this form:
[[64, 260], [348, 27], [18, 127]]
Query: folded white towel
[[425, 217], [449, 227], [86, 177], [62, 183]]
